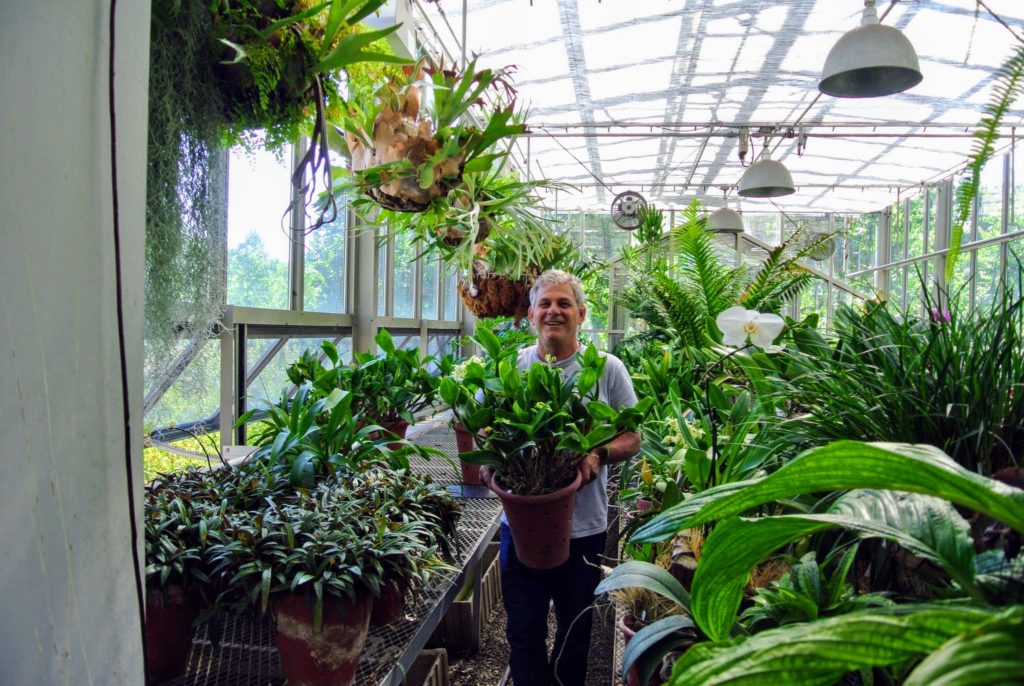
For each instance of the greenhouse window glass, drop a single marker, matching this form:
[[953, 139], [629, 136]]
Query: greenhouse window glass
[[258, 193], [273, 379], [451, 299], [428, 308], [403, 272]]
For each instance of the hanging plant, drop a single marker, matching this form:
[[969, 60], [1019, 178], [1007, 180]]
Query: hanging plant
[[414, 142], [276, 63]]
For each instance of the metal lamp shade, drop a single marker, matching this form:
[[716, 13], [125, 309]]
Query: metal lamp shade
[[766, 178], [725, 220], [870, 61]]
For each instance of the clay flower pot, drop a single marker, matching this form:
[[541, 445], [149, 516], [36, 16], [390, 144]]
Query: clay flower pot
[[540, 524], [327, 658], [391, 603], [628, 627], [170, 616], [464, 442]]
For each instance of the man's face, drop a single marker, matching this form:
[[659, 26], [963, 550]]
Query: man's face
[[556, 315]]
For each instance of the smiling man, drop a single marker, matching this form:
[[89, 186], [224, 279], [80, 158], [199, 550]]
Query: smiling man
[[557, 308]]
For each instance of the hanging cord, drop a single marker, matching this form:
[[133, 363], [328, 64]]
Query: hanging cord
[[119, 299]]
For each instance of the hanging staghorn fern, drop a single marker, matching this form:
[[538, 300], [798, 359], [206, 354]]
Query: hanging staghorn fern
[[185, 206], [1007, 87]]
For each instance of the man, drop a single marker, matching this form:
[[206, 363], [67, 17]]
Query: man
[[557, 309]]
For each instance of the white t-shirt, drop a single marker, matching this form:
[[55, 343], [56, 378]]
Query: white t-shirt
[[615, 388]]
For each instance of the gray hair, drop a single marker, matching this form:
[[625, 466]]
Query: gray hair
[[556, 277]]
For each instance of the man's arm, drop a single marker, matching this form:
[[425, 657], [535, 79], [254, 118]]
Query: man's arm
[[622, 447]]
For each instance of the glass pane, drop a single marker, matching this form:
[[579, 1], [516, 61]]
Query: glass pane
[[324, 289], [763, 226], [915, 232], [860, 251], [814, 299], [929, 244], [403, 272], [195, 393], [1015, 266], [429, 266], [270, 383], [382, 276], [986, 277], [258, 194], [990, 196], [897, 233], [451, 299]]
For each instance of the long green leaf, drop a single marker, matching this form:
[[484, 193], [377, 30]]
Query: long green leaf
[[822, 652], [736, 545], [845, 465], [638, 574], [651, 643], [992, 654], [349, 50]]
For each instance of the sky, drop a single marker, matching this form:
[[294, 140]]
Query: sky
[[258, 186]]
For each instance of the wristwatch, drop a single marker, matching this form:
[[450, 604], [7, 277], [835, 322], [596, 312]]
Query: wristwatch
[[602, 454]]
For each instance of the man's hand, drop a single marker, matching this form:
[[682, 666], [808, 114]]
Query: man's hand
[[590, 467], [486, 474]]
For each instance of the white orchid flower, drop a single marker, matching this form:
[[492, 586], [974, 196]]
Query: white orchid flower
[[737, 324]]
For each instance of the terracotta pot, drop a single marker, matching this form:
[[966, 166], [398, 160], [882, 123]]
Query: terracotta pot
[[628, 628], [170, 618], [398, 427], [328, 658], [540, 524], [391, 603], [464, 441]]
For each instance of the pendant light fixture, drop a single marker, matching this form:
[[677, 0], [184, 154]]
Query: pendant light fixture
[[870, 61], [766, 178], [724, 219]]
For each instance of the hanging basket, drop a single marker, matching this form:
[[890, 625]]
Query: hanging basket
[[401, 137], [491, 295]]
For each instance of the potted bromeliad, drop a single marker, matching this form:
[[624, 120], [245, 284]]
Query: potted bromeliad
[[533, 427]]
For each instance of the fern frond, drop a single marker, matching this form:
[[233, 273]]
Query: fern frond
[[1007, 87]]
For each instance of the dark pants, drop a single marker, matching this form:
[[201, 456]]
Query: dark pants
[[527, 594]]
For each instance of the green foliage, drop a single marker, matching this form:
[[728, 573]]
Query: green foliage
[[340, 540], [534, 425], [409, 138], [957, 384], [807, 592], [822, 652], [659, 637], [1006, 89], [680, 304], [491, 218], [848, 464]]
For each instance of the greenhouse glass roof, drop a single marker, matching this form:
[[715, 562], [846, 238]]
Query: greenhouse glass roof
[[652, 96]]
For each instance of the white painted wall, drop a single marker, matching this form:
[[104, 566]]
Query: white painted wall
[[68, 608]]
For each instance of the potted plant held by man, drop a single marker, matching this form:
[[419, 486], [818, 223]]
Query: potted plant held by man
[[533, 427]]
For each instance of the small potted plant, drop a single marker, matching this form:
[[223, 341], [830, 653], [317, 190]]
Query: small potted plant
[[533, 427], [317, 559], [178, 531]]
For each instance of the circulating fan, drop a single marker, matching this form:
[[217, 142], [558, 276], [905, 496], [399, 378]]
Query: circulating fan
[[627, 208], [821, 246]]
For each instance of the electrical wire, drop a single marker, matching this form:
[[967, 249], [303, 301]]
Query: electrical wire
[[119, 298]]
